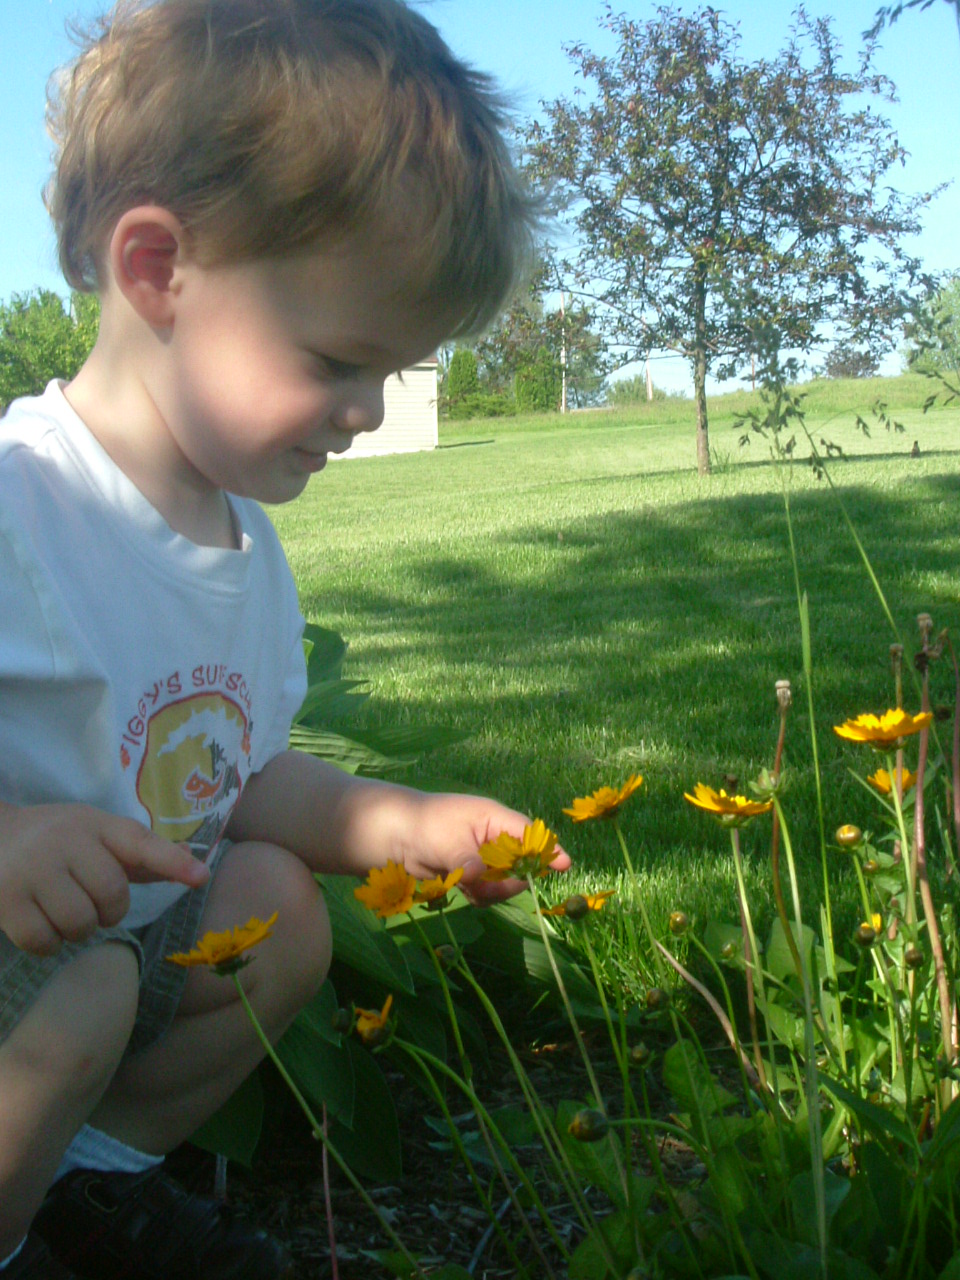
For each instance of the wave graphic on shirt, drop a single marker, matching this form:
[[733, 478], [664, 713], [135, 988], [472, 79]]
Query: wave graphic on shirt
[[189, 777]]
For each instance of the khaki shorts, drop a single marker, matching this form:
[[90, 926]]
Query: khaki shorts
[[23, 976]]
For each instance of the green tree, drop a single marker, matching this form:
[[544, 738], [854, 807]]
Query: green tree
[[42, 337], [846, 361], [527, 327], [537, 384], [462, 379], [933, 332], [723, 208]]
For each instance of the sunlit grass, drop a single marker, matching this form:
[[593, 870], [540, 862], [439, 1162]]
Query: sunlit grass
[[575, 598]]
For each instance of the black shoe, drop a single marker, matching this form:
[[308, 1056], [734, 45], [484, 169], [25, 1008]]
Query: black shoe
[[144, 1226], [35, 1262]]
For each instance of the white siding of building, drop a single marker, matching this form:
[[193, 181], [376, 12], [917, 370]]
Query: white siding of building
[[409, 416]]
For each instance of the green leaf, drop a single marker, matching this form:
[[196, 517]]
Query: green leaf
[[325, 651], [804, 1201], [327, 700], [880, 1124], [343, 752], [945, 1136], [234, 1129], [588, 1262], [371, 1146], [779, 958], [360, 940], [322, 1071], [691, 1082]]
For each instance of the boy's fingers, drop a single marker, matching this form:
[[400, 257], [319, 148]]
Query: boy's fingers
[[146, 857], [31, 931]]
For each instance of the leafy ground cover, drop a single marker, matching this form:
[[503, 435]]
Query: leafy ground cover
[[572, 596]]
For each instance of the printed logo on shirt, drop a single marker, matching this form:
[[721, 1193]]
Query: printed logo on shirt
[[194, 753]]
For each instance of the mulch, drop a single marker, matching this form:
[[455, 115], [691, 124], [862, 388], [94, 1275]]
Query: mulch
[[434, 1208]]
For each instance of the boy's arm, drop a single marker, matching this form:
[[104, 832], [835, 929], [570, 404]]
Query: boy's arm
[[342, 824], [65, 869]]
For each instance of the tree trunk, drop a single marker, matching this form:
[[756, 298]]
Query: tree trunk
[[700, 372], [700, 396]]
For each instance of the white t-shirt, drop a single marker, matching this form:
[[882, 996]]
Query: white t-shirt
[[139, 673]]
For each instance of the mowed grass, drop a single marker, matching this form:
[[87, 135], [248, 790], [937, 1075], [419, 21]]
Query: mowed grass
[[568, 592]]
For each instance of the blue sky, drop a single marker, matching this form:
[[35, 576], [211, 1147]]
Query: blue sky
[[521, 42]]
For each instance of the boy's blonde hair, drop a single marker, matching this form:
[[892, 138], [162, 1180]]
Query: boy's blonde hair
[[268, 126]]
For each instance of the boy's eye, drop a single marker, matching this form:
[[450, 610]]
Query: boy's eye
[[327, 367]]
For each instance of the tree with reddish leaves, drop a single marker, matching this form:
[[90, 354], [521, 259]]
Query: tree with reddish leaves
[[723, 208]]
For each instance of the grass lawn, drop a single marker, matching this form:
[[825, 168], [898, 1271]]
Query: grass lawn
[[574, 597]]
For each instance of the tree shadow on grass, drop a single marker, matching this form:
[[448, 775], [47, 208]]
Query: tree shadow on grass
[[650, 639]]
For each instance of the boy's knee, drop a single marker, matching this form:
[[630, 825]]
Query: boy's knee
[[304, 925], [78, 1027]]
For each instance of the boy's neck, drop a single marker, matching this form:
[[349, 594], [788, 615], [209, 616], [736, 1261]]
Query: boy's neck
[[120, 414]]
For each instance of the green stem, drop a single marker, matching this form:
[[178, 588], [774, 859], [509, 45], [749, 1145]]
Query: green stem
[[317, 1130], [641, 905]]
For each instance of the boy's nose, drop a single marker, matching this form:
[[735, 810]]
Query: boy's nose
[[361, 408]]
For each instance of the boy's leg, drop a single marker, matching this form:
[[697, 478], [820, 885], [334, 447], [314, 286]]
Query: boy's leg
[[54, 1067], [146, 1226], [157, 1098]]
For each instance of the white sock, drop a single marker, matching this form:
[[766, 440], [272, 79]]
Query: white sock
[[5, 1262], [93, 1149]]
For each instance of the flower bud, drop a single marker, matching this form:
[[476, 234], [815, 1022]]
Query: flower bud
[[657, 999], [728, 951], [342, 1020], [639, 1055], [865, 935], [913, 957], [784, 694], [576, 907], [678, 923], [870, 867], [446, 954], [848, 836], [588, 1125]]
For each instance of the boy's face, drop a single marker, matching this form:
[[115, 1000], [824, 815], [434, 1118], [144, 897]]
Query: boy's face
[[273, 364]]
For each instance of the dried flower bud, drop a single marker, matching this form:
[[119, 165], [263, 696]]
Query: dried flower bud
[[588, 1125], [679, 922], [870, 867], [865, 935], [446, 954], [848, 836], [896, 652], [731, 780], [913, 957], [924, 626], [784, 694], [576, 907], [657, 999]]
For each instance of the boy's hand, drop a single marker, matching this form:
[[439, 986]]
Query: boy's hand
[[65, 870], [447, 830]]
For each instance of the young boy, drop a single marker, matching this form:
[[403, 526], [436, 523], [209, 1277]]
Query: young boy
[[280, 203]]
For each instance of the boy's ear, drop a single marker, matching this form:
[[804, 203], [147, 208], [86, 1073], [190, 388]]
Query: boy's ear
[[145, 249]]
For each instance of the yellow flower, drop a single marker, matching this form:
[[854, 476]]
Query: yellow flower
[[875, 923], [370, 1025], [388, 890], [506, 856], [883, 782], [883, 732], [605, 802], [436, 889], [730, 810], [222, 951], [579, 904]]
